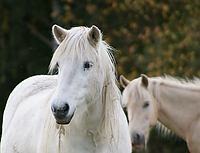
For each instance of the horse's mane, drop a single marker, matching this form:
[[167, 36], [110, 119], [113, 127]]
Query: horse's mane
[[76, 43], [137, 88], [176, 81], [166, 80], [111, 97]]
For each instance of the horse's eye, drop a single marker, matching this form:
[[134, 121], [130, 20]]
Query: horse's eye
[[87, 65], [146, 104]]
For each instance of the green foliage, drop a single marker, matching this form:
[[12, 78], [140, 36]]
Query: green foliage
[[153, 37]]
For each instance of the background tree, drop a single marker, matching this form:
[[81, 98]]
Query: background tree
[[153, 37]]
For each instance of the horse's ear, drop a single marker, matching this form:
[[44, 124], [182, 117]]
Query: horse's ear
[[59, 33], [145, 81], [124, 82], [94, 36]]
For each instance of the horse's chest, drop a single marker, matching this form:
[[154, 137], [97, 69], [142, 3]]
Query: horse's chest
[[72, 142]]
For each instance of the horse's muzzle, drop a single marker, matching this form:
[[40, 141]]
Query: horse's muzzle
[[138, 141], [61, 112], [67, 121]]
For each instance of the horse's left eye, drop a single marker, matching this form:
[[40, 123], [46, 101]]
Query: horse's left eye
[[87, 65], [146, 104]]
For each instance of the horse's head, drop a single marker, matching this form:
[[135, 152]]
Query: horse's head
[[80, 77], [141, 108]]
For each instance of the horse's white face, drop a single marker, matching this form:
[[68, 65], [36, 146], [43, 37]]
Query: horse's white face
[[141, 108], [79, 81]]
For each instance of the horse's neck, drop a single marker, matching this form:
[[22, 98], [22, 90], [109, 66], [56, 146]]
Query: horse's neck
[[177, 106], [89, 116]]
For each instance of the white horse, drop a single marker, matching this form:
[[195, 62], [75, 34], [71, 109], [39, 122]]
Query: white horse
[[76, 111], [175, 103]]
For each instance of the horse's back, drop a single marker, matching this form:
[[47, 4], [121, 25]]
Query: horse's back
[[27, 88]]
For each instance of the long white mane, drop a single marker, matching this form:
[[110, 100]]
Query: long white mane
[[76, 44], [177, 81]]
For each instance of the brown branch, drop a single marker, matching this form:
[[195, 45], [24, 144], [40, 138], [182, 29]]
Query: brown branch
[[38, 34]]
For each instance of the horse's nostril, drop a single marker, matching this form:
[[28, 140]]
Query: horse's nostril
[[53, 109], [66, 109], [137, 136], [62, 109]]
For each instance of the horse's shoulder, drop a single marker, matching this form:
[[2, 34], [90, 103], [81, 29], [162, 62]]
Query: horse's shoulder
[[40, 80], [36, 84], [31, 86]]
